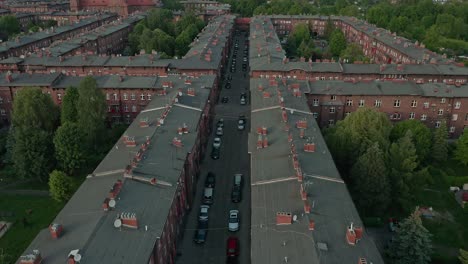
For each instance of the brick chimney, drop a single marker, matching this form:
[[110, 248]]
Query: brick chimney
[[105, 204], [362, 261], [177, 142], [301, 133], [265, 141], [266, 95], [284, 115], [121, 78], [307, 207], [144, 122], [55, 230], [311, 225], [283, 218], [185, 128], [303, 193], [129, 141], [309, 147], [290, 138], [114, 192], [353, 234], [190, 91], [129, 220], [301, 124], [259, 142], [260, 87], [180, 131]]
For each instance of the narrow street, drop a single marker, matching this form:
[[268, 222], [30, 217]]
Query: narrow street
[[233, 159]]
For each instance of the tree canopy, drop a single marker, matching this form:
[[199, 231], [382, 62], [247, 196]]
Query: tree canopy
[[92, 111], [412, 242], [69, 112], [369, 176], [461, 150], [69, 149], [440, 145], [337, 42], [60, 186], [421, 136], [9, 25]]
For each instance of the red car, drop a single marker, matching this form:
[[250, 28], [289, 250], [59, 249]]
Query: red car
[[232, 247]]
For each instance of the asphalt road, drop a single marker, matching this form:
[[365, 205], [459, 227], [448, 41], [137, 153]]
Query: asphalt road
[[234, 158]]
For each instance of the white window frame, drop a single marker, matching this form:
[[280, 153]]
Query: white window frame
[[457, 105], [414, 103], [132, 96], [125, 96], [362, 103], [452, 129], [437, 124], [442, 100], [412, 115], [349, 102], [440, 112], [134, 108], [315, 102], [378, 103], [454, 117], [396, 103], [332, 110], [142, 97]]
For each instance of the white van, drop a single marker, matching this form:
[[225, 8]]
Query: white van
[[237, 179]]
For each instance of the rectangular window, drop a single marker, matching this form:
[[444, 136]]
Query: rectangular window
[[115, 97], [59, 97], [423, 117], [107, 96], [132, 96], [349, 102], [454, 117], [440, 112], [315, 115], [332, 109], [442, 100], [396, 103], [315, 102], [108, 109], [148, 97], [437, 124], [452, 129], [331, 122], [362, 102], [125, 96], [134, 108], [426, 104], [333, 97], [126, 108], [142, 97], [412, 115], [414, 103], [378, 103], [457, 105]]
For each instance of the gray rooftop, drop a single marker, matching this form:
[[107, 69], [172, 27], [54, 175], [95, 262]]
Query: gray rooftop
[[275, 189], [88, 228]]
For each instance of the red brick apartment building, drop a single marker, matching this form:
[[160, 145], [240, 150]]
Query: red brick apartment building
[[157, 160], [121, 7], [431, 91], [21, 46], [65, 17], [35, 6]]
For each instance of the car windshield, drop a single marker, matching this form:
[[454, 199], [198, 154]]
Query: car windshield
[[233, 220]]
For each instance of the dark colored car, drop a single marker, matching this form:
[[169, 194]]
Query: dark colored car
[[242, 117], [232, 249], [228, 86], [201, 232], [225, 99], [215, 153], [210, 180], [236, 194]]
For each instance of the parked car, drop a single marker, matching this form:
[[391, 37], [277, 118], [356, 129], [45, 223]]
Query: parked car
[[233, 224], [227, 86], [203, 215], [219, 131], [232, 247], [220, 123], [217, 142], [201, 232], [238, 179], [215, 154], [210, 180], [240, 124], [225, 100], [236, 194], [208, 196]]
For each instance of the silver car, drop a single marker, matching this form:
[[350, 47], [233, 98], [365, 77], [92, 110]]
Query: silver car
[[219, 131], [233, 220], [217, 142]]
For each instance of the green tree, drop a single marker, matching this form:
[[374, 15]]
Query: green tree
[[402, 163], [432, 38], [463, 257], [412, 243], [9, 146], [351, 10], [461, 151], [329, 28], [60, 186], [163, 42], [182, 44], [9, 25], [306, 49], [369, 176], [352, 53], [351, 137], [91, 108], [379, 14], [33, 153], [299, 34], [69, 149], [69, 112], [337, 42], [440, 145], [34, 119], [422, 137]]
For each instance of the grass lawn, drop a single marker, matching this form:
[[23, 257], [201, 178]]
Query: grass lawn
[[42, 211], [450, 231]]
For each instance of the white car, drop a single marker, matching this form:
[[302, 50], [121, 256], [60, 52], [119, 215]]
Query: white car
[[203, 216], [240, 124], [217, 142], [220, 123], [233, 220], [219, 131]]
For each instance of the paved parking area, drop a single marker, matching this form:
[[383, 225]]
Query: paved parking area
[[233, 159]]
